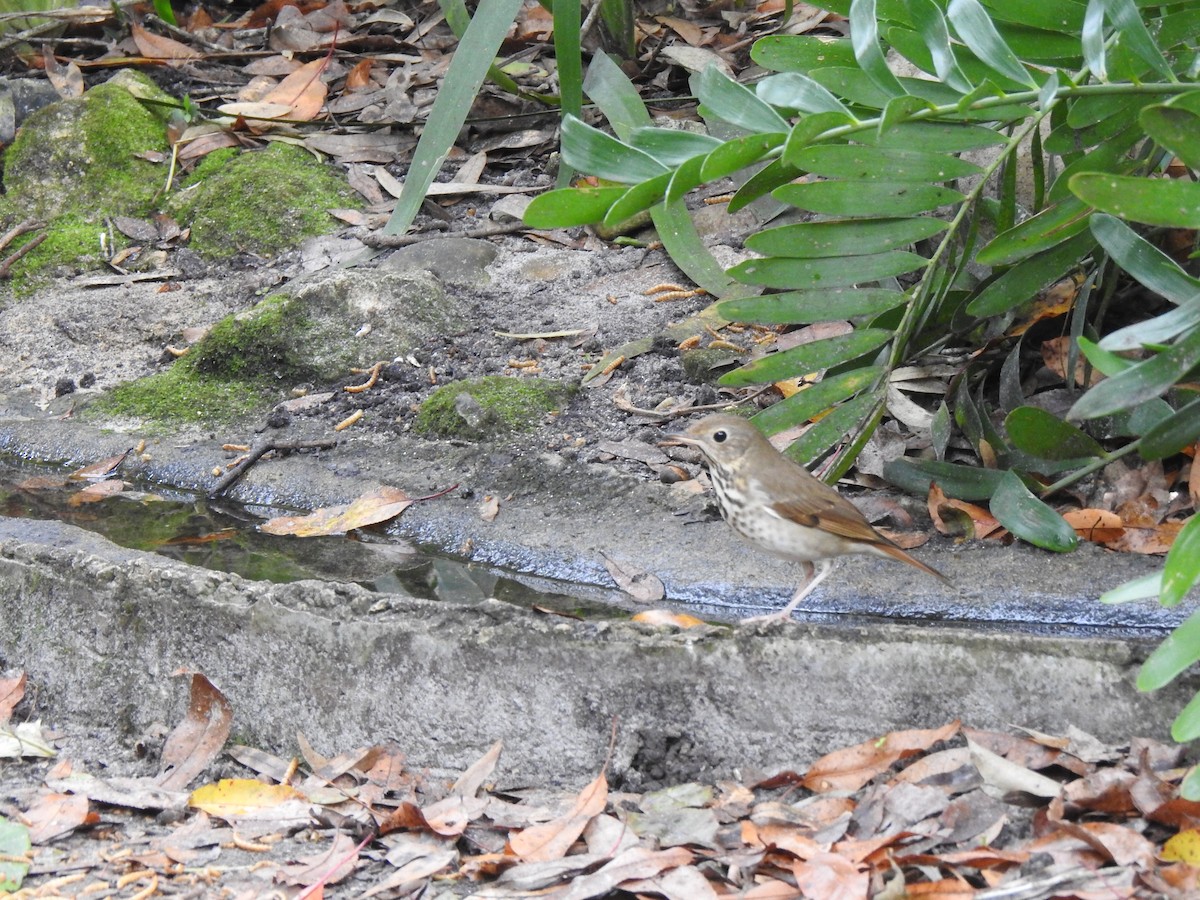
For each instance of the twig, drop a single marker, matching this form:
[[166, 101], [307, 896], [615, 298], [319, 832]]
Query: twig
[[688, 410], [258, 451], [12, 259], [387, 241]]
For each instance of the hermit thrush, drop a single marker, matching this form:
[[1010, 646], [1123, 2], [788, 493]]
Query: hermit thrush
[[779, 507]]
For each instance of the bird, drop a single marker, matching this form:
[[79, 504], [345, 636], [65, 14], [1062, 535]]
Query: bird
[[779, 507]]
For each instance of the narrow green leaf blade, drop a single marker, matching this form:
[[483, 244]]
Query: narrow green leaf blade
[[1030, 519], [791, 90], [1021, 283], [468, 68], [864, 37], [877, 198], [814, 239], [1178, 650], [852, 161], [833, 429], [739, 153], [1141, 588], [1169, 202], [825, 272], [1045, 436], [815, 399], [724, 98], [1172, 434], [796, 307], [1182, 568], [1145, 262], [567, 207], [963, 482], [813, 357], [1150, 378], [1047, 229], [590, 150], [975, 28], [930, 23], [1176, 128], [671, 146]]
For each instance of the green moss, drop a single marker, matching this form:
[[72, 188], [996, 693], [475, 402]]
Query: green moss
[[83, 156], [260, 202], [259, 344], [70, 241], [178, 394], [504, 404]]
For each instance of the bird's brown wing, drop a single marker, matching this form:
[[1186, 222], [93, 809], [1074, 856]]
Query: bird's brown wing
[[833, 514]]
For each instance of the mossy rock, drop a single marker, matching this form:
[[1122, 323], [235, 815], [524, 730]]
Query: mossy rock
[[490, 405], [177, 395], [83, 156], [259, 202]]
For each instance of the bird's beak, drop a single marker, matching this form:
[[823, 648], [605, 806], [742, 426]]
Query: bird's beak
[[679, 440]]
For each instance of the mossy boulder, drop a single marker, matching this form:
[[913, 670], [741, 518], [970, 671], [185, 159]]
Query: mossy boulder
[[85, 156], [491, 405], [258, 202]]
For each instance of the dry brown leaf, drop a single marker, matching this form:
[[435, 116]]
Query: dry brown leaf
[[303, 92], [1054, 355], [11, 692], [1098, 525], [372, 508], [831, 877], [155, 46], [1147, 539], [639, 584], [99, 470], [553, 839], [957, 518], [198, 739], [852, 767], [666, 617], [53, 815], [67, 80], [1057, 300], [93, 493]]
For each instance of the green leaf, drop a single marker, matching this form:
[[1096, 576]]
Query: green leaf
[[15, 857], [812, 357], [1102, 361], [1047, 229], [1182, 569], [686, 177], [813, 239], [975, 28], [1021, 283], [569, 58], [811, 306], [1178, 650], [876, 198], [839, 271], [1156, 201], [834, 428], [739, 153], [963, 482], [815, 399], [1172, 434], [899, 110], [931, 25], [566, 207], [1175, 127], [1045, 436], [1063, 18], [638, 198], [810, 129], [468, 68], [801, 53], [939, 430], [1145, 262], [1184, 729], [1189, 788], [734, 103], [590, 150], [937, 137], [792, 90], [1136, 589], [1128, 20], [1141, 382], [670, 146], [1092, 40], [881, 164], [764, 181], [1029, 518], [864, 37]]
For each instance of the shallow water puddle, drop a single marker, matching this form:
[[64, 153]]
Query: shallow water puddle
[[225, 537]]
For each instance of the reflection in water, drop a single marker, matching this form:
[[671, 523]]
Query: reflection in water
[[225, 538]]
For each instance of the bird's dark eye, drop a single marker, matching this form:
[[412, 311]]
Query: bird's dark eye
[[719, 436]]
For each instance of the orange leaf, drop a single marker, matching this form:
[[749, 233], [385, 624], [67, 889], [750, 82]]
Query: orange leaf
[[850, 768], [1097, 525], [666, 617], [540, 843], [376, 506], [303, 91], [831, 877], [157, 47]]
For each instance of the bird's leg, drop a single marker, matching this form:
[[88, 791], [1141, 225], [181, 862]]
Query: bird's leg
[[814, 577]]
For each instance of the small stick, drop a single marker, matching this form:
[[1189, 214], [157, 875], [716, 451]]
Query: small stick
[[259, 450]]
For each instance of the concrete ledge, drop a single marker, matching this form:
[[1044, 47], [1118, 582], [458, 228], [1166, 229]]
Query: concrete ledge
[[99, 629]]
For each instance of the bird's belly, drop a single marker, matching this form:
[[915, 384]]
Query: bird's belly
[[792, 541]]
